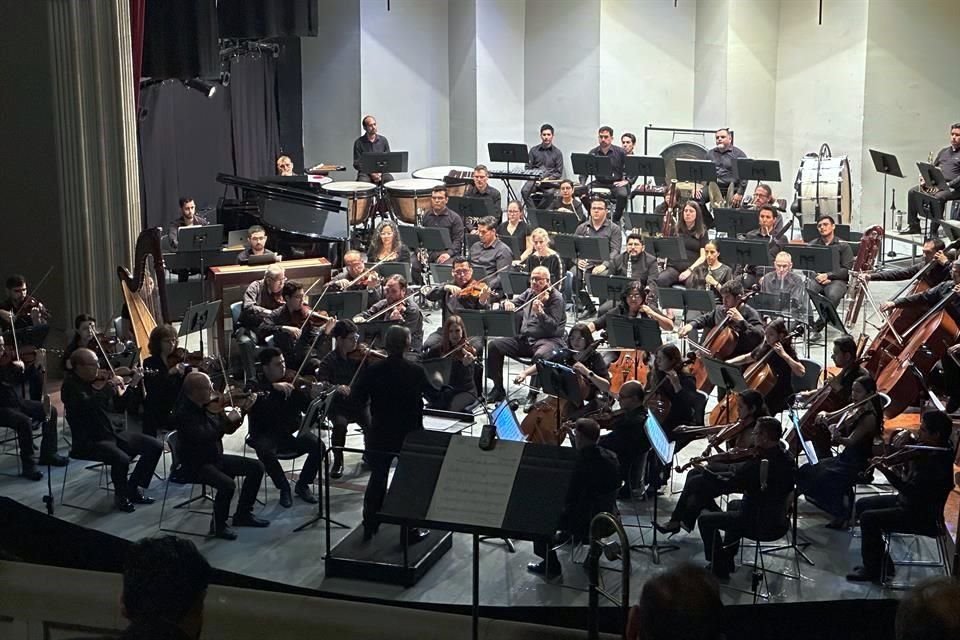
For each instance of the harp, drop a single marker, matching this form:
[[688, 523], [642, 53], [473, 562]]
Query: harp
[[144, 291]]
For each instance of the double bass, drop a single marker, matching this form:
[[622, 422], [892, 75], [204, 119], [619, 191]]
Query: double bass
[[719, 343]]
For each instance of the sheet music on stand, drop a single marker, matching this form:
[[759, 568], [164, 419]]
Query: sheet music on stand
[[662, 445], [808, 449]]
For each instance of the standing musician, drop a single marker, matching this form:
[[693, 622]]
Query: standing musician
[[922, 493], [693, 233], [712, 273], [724, 157], [635, 302], [274, 419], [463, 293], [442, 216], [201, 432], [516, 227], [370, 142], [299, 333], [395, 388], [386, 245], [542, 255], [354, 265], [592, 490], [634, 263], [598, 226], [340, 368], [461, 390], [703, 484], [163, 377], [784, 282], [933, 252], [256, 245], [85, 404], [480, 188], [547, 157], [490, 253], [762, 512], [284, 166], [948, 161], [188, 218], [930, 298], [670, 383], [746, 321], [833, 285], [618, 183], [403, 310], [259, 300], [564, 200], [542, 320], [783, 361], [829, 483], [627, 438]]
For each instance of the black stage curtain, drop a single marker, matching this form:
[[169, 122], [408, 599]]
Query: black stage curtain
[[290, 102], [253, 111]]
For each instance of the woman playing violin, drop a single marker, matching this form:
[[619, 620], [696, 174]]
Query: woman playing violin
[[455, 346], [783, 361], [828, 483], [162, 379]]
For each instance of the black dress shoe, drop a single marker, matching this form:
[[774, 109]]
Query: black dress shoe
[[669, 528], [137, 497], [861, 574], [305, 493], [415, 535], [223, 532], [123, 504], [336, 471], [56, 460], [540, 569], [286, 498], [369, 530], [30, 472], [249, 520], [496, 395]]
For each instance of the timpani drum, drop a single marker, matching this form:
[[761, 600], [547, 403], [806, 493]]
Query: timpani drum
[[359, 197], [456, 178], [823, 188], [407, 196]]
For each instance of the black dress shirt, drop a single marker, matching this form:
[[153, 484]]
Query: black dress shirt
[[845, 253], [552, 262], [201, 435], [617, 159], [450, 220], [609, 230], [258, 303], [275, 414], [493, 258], [550, 159], [575, 206], [643, 266], [948, 161], [933, 276], [726, 163], [86, 410], [363, 145]]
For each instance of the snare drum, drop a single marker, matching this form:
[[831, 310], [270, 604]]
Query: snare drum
[[456, 178], [825, 182], [358, 195], [406, 196]]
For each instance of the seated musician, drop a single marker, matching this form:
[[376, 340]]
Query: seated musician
[[480, 188], [634, 263], [298, 332], [443, 217], [938, 271], [783, 362], [927, 299], [598, 226], [395, 410], [745, 320], [397, 306], [370, 142], [708, 481], [256, 245], [693, 233], [163, 379], [386, 245], [275, 420], [628, 142], [724, 157], [547, 157], [829, 483], [93, 436], [346, 279], [202, 458], [542, 255], [259, 300], [461, 390], [948, 161], [627, 438], [454, 296], [27, 315], [188, 218], [593, 369], [763, 509], [490, 253], [670, 383], [922, 491], [618, 184], [516, 227], [766, 231], [783, 282], [564, 200], [833, 285], [340, 368], [542, 319], [711, 273], [592, 490], [284, 166], [635, 302], [762, 197], [85, 328]]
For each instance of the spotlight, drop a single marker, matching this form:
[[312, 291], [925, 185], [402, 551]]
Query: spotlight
[[204, 87]]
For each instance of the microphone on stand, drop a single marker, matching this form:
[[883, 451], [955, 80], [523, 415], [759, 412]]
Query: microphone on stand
[[764, 472]]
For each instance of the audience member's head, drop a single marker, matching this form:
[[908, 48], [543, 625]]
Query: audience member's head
[[930, 611], [680, 604]]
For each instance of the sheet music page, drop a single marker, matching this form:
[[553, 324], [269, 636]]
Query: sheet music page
[[474, 486]]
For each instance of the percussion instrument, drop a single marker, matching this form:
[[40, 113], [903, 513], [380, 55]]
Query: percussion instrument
[[358, 195], [683, 150], [456, 178], [407, 196], [824, 188]]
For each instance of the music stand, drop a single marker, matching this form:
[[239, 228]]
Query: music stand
[[443, 273], [607, 287], [695, 170], [812, 258], [488, 324], [930, 208], [665, 450], [933, 176], [371, 330], [735, 222], [578, 248], [755, 253], [760, 170], [670, 248], [597, 167], [647, 167], [553, 221], [508, 152], [431, 239], [517, 244], [561, 382], [633, 333], [515, 283], [344, 304], [686, 300], [888, 165], [648, 223], [471, 207], [199, 317], [828, 314], [389, 162], [388, 269]]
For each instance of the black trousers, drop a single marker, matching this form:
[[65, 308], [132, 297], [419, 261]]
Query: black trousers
[[914, 207], [620, 195], [119, 452], [735, 524], [267, 446], [528, 189], [21, 420], [951, 376], [834, 290], [221, 476], [341, 415], [516, 348], [883, 514], [379, 462]]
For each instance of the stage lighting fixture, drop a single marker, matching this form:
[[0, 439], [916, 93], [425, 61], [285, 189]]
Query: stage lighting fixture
[[204, 87]]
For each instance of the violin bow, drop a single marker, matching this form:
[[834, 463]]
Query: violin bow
[[536, 296], [326, 287], [37, 287], [392, 306]]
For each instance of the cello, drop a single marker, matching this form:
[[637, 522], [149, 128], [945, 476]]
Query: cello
[[719, 343]]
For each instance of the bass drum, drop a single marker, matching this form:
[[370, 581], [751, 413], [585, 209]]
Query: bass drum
[[456, 178], [823, 188], [684, 150], [359, 195], [407, 196]]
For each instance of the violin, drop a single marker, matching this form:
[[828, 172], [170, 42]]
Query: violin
[[476, 290], [105, 376], [29, 305], [727, 457], [461, 351], [305, 314], [366, 352], [232, 405], [180, 355]]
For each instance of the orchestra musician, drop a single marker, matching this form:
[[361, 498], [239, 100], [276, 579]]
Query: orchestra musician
[[455, 296], [461, 390], [592, 490], [763, 196], [201, 434], [922, 493], [275, 419], [542, 320], [296, 336], [386, 245], [766, 231], [442, 216], [704, 484], [634, 303], [259, 299], [711, 273], [634, 263], [929, 298], [547, 157], [844, 357], [948, 161], [542, 255], [340, 368], [284, 166], [627, 438], [490, 253], [188, 218], [670, 383], [396, 409], [26, 315], [564, 200], [724, 157], [746, 322], [939, 271], [85, 405], [163, 379], [833, 285], [782, 281], [403, 309], [829, 483], [617, 184], [693, 233], [598, 226], [516, 227], [370, 142], [480, 188], [783, 362], [256, 245], [85, 328], [353, 266]]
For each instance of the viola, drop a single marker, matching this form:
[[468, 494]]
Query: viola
[[305, 314], [366, 352], [180, 355]]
